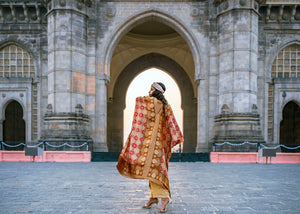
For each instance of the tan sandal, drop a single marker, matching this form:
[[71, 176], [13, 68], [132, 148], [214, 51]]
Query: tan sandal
[[150, 203], [165, 208]]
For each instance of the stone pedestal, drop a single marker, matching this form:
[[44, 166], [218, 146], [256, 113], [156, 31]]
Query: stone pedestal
[[71, 128], [237, 128]]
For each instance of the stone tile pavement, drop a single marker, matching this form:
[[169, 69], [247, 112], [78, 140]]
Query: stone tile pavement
[[198, 187]]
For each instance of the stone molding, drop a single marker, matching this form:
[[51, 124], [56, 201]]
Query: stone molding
[[80, 6], [224, 6], [237, 117], [283, 13], [22, 12]]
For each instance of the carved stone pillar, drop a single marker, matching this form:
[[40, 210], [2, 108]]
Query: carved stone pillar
[[67, 65], [238, 119]]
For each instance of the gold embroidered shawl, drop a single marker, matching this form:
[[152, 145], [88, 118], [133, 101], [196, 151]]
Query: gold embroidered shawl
[[147, 150]]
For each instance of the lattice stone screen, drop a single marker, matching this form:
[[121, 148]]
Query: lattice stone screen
[[285, 65], [287, 62], [15, 62]]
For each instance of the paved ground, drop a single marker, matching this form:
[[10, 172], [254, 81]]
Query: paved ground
[[92, 188]]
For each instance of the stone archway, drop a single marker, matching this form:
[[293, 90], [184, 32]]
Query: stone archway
[[116, 105], [290, 126], [14, 125]]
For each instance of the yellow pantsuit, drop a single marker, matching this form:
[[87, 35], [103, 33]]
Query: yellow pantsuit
[[157, 191]]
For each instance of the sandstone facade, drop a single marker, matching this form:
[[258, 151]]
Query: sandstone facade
[[68, 63]]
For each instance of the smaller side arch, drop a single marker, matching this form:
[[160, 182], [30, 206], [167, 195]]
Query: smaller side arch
[[25, 47], [13, 125], [7, 102], [290, 126], [288, 101], [274, 52], [21, 44]]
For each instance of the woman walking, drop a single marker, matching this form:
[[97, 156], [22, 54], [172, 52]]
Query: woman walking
[[147, 151]]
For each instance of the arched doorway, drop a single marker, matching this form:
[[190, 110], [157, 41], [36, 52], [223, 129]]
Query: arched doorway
[[149, 39], [290, 127], [116, 104], [14, 125]]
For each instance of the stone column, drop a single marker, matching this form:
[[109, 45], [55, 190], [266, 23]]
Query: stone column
[[67, 41], [100, 144], [238, 118], [202, 122]]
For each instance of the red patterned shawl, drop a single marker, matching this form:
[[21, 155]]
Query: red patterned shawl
[[147, 150]]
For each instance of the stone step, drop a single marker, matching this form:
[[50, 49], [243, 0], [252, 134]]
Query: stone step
[[176, 157]]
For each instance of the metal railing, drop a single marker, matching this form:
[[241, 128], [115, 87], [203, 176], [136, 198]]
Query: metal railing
[[257, 144], [44, 145]]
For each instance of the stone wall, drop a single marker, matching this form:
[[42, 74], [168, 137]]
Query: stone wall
[[80, 49]]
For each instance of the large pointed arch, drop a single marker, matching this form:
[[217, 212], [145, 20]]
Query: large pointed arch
[[145, 16], [117, 104]]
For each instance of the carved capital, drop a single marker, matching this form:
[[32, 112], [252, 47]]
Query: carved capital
[[104, 77], [63, 3]]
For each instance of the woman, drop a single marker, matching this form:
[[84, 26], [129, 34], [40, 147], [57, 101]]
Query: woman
[[147, 150]]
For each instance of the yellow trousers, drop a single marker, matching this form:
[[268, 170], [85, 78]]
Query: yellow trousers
[[158, 191]]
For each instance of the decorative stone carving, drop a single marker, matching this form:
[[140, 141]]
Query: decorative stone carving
[[293, 13], [195, 12], [45, 2], [49, 108], [9, 17], [13, 12], [62, 3], [254, 108], [63, 27], [111, 12], [255, 6], [79, 5], [78, 109], [243, 2], [33, 17], [88, 3], [225, 109], [27, 11], [225, 5], [284, 94], [297, 16], [1, 14], [21, 17], [283, 13]]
